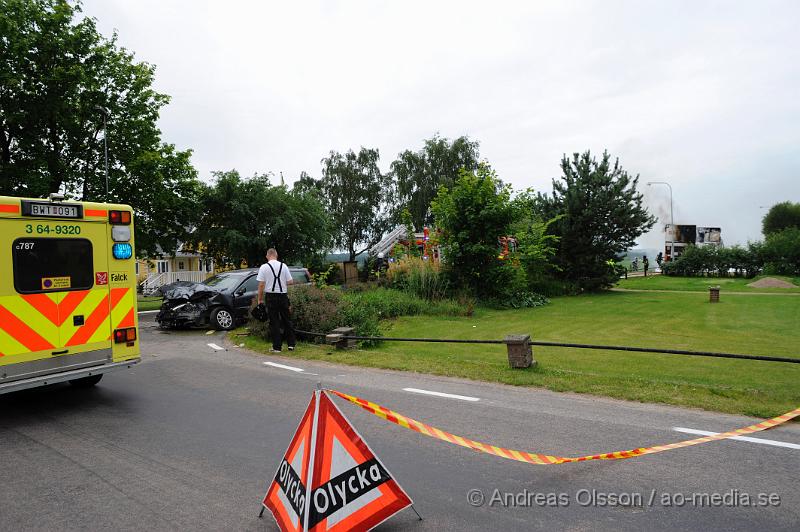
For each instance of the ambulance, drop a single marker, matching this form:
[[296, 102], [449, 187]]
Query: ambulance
[[67, 292]]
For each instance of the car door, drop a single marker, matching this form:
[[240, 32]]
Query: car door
[[244, 294]]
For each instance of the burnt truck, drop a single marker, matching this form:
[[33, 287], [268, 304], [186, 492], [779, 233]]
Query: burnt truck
[[678, 237], [221, 302]]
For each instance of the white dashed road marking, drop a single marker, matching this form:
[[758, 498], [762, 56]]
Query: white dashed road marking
[[441, 394], [282, 366], [740, 438], [216, 347]]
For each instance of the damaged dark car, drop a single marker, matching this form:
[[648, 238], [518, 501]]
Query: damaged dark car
[[221, 302]]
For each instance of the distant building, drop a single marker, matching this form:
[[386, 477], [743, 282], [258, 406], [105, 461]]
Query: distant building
[[677, 237], [183, 265]]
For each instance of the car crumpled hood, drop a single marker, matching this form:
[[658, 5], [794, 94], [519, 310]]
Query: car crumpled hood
[[187, 290]]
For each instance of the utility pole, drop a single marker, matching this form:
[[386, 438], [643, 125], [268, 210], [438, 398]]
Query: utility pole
[[104, 112]]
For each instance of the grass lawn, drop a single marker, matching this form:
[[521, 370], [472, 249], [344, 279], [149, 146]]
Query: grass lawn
[[763, 325], [149, 303], [701, 284]]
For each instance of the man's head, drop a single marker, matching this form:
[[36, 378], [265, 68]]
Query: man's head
[[272, 254]]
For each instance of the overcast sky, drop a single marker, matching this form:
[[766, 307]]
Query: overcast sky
[[703, 95]]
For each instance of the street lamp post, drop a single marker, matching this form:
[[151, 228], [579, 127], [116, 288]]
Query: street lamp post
[[671, 219], [104, 112]]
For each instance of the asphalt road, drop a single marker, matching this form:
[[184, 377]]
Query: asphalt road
[[189, 439]]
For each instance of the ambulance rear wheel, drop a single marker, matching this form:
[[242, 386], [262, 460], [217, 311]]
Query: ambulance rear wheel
[[222, 319], [86, 382]]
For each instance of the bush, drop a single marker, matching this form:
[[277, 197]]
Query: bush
[[315, 309], [320, 310], [422, 278], [781, 252], [386, 303], [717, 262]]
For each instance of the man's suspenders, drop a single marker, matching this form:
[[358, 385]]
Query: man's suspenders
[[276, 278]]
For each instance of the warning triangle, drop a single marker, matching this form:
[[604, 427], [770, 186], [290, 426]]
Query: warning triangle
[[329, 478], [350, 489], [286, 495]]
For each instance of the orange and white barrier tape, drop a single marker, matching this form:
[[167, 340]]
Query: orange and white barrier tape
[[545, 459]]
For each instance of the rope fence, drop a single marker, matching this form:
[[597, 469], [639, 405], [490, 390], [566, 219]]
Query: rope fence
[[339, 339]]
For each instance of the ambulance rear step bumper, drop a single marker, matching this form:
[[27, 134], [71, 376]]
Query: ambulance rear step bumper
[[44, 380]]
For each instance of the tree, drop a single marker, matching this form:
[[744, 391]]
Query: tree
[[535, 246], [781, 216], [356, 195], [601, 216], [420, 174], [59, 79], [472, 216], [307, 183], [242, 218], [781, 252]]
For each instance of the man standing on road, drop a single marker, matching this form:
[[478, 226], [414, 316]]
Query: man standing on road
[[273, 279], [645, 264]]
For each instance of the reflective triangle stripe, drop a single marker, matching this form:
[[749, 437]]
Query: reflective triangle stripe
[[92, 323], [19, 331]]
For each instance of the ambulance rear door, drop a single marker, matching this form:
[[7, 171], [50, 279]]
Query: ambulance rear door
[[55, 306]]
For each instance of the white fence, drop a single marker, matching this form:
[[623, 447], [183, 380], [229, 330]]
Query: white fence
[[154, 281]]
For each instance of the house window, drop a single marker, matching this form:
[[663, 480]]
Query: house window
[[162, 266], [180, 265]]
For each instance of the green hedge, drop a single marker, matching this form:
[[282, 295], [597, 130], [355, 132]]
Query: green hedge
[[320, 310]]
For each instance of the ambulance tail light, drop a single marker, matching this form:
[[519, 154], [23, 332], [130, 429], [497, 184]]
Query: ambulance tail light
[[119, 217], [127, 335]]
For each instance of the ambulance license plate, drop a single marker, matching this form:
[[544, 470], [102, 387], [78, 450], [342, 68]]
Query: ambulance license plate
[[51, 210]]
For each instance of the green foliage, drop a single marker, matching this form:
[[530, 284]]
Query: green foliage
[[781, 216], [356, 195], [420, 174], [601, 217], [781, 252], [316, 309], [164, 191], [535, 246], [242, 218], [325, 277], [58, 78], [320, 310], [420, 277], [779, 255], [473, 215], [387, 303]]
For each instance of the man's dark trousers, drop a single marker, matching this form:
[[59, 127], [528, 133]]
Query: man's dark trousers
[[278, 308]]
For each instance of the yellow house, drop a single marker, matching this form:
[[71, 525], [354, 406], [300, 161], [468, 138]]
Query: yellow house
[[183, 265]]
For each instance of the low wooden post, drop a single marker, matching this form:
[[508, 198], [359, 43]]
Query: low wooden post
[[520, 352], [713, 294]]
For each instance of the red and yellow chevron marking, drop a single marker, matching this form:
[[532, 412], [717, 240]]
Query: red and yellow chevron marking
[[40, 322], [544, 459], [21, 332]]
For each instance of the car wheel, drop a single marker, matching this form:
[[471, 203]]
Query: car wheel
[[222, 319], [86, 382]]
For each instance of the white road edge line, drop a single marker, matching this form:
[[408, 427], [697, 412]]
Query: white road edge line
[[740, 438], [441, 394], [282, 366], [216, 347], [147, 311]]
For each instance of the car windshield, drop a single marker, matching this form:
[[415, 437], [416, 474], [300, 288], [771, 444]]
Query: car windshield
[[224, 282], [299, 276]]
